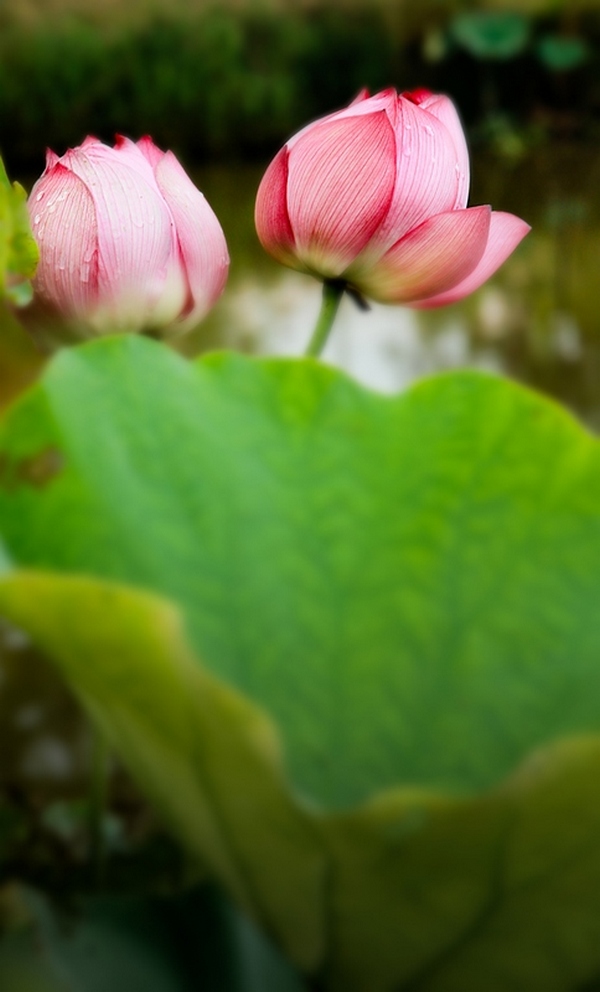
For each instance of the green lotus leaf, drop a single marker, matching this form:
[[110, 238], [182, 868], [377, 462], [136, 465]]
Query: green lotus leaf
[[413, 890], [408, 585], [18, 251], [491, 34], [562, 53], [207, 757]]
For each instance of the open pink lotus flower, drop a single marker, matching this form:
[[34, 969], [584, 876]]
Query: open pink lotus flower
[[127, 242], [376, 195]]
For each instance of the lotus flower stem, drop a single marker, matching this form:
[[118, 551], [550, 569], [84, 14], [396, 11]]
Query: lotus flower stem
[[333, 290]]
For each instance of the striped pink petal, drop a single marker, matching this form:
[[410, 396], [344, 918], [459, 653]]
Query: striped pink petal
[[130, 152], [51, 159], [506, 232], [362, 105], [445, 111], [427, 176], [201, 240], [430, 259], [64, 224], [135, 239], [340, 184], [149, 150], [271, 214]]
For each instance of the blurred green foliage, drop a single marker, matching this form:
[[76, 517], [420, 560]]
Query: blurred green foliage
[[18, 250], [218, 82], [215, 86]]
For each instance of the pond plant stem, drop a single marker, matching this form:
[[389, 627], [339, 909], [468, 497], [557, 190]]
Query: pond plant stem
[[333, 290]]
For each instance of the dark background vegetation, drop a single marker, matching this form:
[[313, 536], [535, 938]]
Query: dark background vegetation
[[227, 81]]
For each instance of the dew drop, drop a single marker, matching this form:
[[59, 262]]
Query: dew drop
[[407, 151], [36, 219], [39, 195], [429, 129]]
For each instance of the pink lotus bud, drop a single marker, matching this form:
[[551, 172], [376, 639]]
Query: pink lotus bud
[[376, 195], [127, 242]]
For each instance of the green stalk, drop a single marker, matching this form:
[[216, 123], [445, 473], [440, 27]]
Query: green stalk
[[332, 294]]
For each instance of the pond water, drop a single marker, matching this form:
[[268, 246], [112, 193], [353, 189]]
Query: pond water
[[537, 320]]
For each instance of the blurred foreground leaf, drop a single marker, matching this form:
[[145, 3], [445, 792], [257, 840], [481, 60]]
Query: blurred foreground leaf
[[408, 585], [18, 250], [500, 893], [206, 757], [419, 891]]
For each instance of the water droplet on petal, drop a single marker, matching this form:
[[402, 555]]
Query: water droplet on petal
[[39, 195], [36, 219]]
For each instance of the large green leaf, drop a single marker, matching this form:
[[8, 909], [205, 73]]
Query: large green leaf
[[408, 585], [18, 251], [500, 893], [419, 892], [208, 758]]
